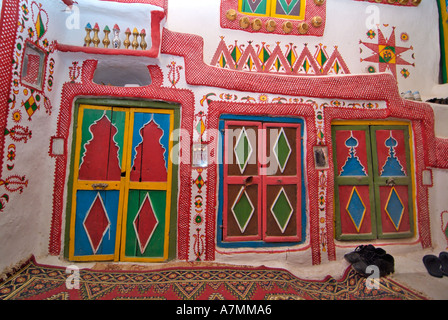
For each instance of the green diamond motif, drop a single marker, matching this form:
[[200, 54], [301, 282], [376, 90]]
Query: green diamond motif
[[282, 150], [243, 209], [282, 210], [243, 150]]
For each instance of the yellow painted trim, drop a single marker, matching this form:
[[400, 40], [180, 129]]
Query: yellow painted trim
[[88, 185], [123, 185], [168, 189], [284, 16], [148, 185], [122, 245], [143, 259], [75, 180], [93, 258], [268, 7]]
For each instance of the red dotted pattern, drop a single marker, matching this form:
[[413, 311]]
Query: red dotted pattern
[[8, 34]]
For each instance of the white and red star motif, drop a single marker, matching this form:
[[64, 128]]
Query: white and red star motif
[[386, 53]]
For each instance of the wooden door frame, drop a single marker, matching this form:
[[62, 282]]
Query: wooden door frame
[[303, 219], [412, 176], [125, 103]]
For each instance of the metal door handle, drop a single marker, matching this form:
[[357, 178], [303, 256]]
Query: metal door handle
[[390, 182], [99, 186]]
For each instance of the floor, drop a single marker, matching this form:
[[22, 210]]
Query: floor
[[409, 271]]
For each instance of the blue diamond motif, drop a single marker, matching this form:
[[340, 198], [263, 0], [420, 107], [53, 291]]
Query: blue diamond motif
[[395, 208], [356, 208]]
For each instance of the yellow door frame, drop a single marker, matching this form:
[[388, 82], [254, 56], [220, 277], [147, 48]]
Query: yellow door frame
[[123, 186]]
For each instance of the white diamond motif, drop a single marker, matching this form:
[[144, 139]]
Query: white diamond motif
[[277, 151], [242, 157]]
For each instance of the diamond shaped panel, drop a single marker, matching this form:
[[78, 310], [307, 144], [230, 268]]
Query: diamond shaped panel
[[243, 150], [356, 208], [282, 210], [96, 223], [395, 208], [243, 209], [282, 150], [145, 223]]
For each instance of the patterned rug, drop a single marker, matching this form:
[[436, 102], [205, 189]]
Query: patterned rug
[[41, 282]]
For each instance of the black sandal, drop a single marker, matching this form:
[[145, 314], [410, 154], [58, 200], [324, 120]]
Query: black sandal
[[443, 257], [433, 265]]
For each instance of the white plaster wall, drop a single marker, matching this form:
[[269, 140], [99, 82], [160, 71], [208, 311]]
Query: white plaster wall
[[438, 204], [441, 118], [438, 201]]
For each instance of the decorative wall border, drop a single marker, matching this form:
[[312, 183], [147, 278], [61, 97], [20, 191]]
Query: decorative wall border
[[312, 25], [8, 34], [274, 60]]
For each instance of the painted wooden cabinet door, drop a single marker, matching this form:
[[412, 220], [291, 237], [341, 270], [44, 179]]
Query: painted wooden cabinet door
[[99, 160], [393, 181], [242, 209], [148, 198], [373, 182], [281, 182], [121, 188], [262, 182], [354, 201]]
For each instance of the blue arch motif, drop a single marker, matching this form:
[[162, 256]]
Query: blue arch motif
[[392, 166], [352, 166]]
